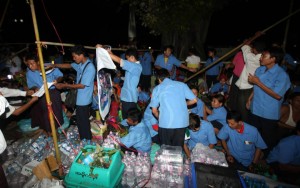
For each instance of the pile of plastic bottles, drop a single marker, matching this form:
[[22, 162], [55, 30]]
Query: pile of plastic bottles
[[137, 169], [203, 154], [168, 169]]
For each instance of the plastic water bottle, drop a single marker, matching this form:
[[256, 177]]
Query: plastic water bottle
[[138, 173], [146, 172], [88, 159], [155, 177], [130, 176], [124, 180]]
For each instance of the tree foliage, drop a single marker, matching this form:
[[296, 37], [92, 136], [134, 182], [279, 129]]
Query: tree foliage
[[174, 20]]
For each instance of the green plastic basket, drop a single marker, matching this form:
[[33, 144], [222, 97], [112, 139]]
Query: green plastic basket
[[79, 175]]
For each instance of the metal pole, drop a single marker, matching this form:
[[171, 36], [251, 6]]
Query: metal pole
[[46, 88], [239, 46]]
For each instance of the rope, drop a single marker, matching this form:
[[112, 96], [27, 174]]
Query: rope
[[49, 106], [63, 51]]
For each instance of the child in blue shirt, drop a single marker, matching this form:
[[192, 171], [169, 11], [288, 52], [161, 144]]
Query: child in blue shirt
[[200, 132], [220, 87], [138, 137], [199, 107], [217, 116]]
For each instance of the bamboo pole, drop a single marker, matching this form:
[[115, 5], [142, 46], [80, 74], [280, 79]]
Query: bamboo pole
[[71, 45], [87, 47], [4, 13], [46, 88], [239, 46], [287, 27]]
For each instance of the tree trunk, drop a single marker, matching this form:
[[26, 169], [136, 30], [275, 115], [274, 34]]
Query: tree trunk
[[193, 38]]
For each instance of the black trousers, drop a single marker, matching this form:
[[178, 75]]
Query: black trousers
[[3, 181], [267, 129], [242, 98], [171, 137], [83, 122], [145, 82], [40, 115], [233, 94]]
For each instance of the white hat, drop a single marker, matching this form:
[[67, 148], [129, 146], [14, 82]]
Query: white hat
[[3, 105]]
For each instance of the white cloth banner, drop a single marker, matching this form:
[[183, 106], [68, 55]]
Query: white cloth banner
[[104, 92], [41, 91], [104, 82], [104, 60]]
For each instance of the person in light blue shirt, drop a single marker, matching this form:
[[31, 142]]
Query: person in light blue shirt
[[242, 142], [151, 122], [271, 83], [200, 132], [169, 62], [39, 111], [199, 107], [133, 70], [213, 72], [220, 87], [217, 116], [285, 157], [169, 105], [138, 137], [146, 59], [287, 151], [144, 96], [85, 86]]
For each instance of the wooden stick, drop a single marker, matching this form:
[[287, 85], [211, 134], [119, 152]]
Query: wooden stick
[[47, 95], [87, 47], [239, 46]]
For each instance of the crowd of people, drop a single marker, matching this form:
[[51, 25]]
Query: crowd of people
[[252, 114]]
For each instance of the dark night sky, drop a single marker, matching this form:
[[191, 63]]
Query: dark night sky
[[90, 22]]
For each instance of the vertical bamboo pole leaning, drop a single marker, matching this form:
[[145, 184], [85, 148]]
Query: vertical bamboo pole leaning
[[4, 14], [239, 46], [287, 27], [48, 101]]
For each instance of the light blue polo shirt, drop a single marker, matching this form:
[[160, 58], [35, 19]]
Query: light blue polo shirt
[[170, 96], [263, 105], [138, 137], [85, 95], [150, 120], [214, 70], [242, 146], [172, 61], [34, 78], [218, 114], [145, 61], [129, 92], [143, 96], [199, 108], [218, 87], [287, 151], [205, 135]]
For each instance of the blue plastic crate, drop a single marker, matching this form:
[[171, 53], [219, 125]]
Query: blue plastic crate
[[79, 175]]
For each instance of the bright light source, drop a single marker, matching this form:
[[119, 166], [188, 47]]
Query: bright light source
[[21, 20], [15, 20]]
